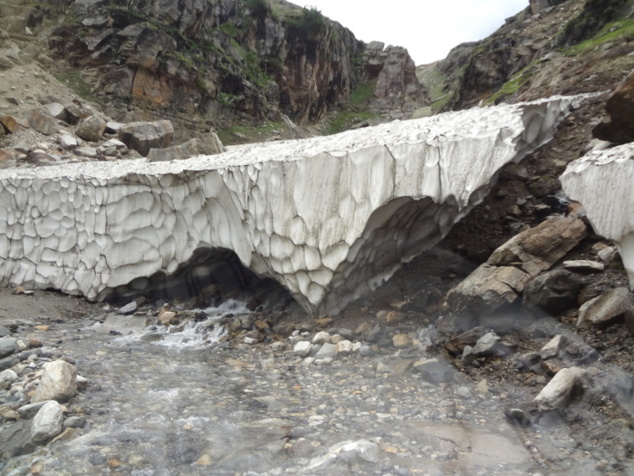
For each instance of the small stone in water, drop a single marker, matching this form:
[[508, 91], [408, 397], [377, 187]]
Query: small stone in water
[[75, 422], [402, 340], [204, 460], [128, 308], [321, 338], [327, 351], [302, 348], [48, 422]]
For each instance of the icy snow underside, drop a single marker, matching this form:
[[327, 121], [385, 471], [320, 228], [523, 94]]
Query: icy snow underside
[[329, 218], [603, 182]]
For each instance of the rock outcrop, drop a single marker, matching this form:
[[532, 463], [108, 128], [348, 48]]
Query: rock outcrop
[[538, 6], [397, 87], [502, 279], [602, 182], [620, 109], [329, 218], [541, 51], [217, 61]]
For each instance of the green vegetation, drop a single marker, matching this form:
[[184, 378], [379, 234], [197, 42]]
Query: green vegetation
[[355, 109], [308, 25], [592, 19], [231, 30], [513, 85], [618, 30], [258, 8], [246, 134], [74, 81], [436, 83], [253, 70], [362, 94], [346, 119]]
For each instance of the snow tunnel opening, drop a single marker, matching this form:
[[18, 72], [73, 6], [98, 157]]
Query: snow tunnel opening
[[210, 277]]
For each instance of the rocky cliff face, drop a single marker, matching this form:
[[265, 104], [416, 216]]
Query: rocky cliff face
[[221, 62], [552, 47]]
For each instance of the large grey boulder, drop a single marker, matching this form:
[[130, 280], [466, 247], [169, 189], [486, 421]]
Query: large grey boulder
[[91, 128], [8, 345], [330, 218], [42, 122], [207, 144], [55, 110], [553, 292], [620, 108], [47, 423], [143, 136], [502, 279], [605, 309], [59, 382]]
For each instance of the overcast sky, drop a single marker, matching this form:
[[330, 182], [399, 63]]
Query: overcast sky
[[427, 28]]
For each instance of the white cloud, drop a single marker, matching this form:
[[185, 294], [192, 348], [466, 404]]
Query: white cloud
[[428, 29]]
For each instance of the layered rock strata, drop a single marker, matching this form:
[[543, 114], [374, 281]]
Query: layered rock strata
[[603, 181], [329, 218]]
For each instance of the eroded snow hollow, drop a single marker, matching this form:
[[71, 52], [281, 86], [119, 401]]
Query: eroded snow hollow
[[603, 182], [329, 218]]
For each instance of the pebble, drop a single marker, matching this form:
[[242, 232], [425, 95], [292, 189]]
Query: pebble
[[8, 345], [302, 348], [47, 423], [327, 351], [322, 337]]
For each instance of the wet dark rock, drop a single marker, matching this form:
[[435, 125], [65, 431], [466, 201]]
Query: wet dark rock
[[8, 346], [434, 370], [376, 334], [97, 459], [184, 449], [73, 114], [621, 385], [530, 360], [456, 345], [30, 410], [628, 319], [620, 108], [15, 439], [553, 292]]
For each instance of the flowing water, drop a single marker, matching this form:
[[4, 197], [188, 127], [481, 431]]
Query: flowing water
[[183, 400]]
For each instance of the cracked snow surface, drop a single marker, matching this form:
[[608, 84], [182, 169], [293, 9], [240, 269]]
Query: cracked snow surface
[[329, 218], [604, 184]]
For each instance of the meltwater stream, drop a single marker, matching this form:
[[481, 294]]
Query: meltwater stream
[[186, 400]]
